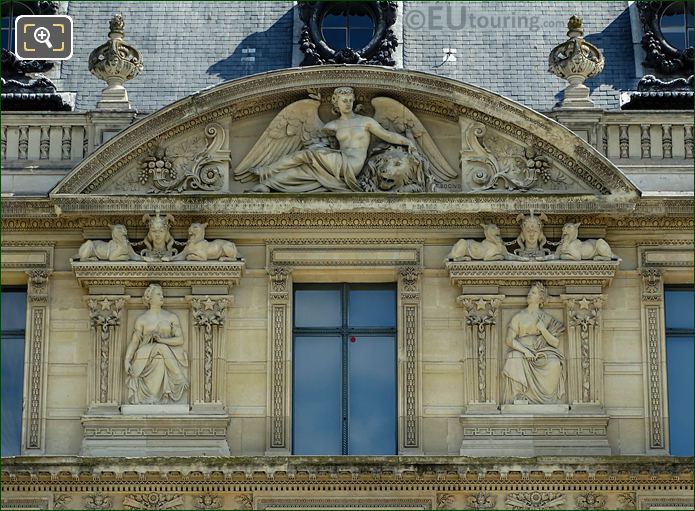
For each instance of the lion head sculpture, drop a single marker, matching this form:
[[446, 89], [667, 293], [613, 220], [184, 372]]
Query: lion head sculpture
[[394, 170]]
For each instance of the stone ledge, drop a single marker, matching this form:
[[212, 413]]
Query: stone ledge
[[168, 274], [138, 435], [522, 273]]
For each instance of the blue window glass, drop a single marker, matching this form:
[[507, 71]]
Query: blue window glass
[[10, 11], [13, 310], [677, 25], [344, 374], [348, 26], [679, 365]]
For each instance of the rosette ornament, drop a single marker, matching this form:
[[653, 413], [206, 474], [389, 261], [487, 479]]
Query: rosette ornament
[[575, 60], [115, 62]]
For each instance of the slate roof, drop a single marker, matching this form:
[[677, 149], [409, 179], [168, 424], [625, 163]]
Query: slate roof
[[189, 46]]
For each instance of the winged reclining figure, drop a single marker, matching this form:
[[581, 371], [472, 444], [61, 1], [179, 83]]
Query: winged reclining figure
[[299, 153]]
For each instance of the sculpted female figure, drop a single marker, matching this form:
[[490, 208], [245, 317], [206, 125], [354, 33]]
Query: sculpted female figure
[[294, 153], [534, 370], [155, 361]]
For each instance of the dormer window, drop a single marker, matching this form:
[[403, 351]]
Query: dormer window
[[677, 25], [348, 33]]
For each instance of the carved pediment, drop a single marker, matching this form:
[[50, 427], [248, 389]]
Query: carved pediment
[[449, 136]]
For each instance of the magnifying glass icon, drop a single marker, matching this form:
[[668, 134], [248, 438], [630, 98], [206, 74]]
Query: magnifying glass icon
[[43, 36]]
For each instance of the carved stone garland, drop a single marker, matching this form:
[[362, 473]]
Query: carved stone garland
[[208, 362], [480, 341], [105, 320], [409, 300], [279, 310], [652, 321], [37, 295]]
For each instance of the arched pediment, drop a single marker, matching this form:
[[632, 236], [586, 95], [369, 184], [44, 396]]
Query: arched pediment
[[475, 143]]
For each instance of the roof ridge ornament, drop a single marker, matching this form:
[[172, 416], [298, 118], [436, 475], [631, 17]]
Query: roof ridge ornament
[[576, 60], [115, 62]]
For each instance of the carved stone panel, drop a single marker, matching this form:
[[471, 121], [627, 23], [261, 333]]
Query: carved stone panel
[[585, 349], [105, 314], [208, 364], [279, 360], [35, 379], [409, 332], [481, 384]]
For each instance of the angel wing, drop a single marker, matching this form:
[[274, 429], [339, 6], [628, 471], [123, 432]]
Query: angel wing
[[292, 129], [394, 116]]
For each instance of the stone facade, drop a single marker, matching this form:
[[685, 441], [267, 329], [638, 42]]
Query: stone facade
[[504, 198]]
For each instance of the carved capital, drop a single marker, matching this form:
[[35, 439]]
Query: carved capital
[[105, 312], [652, 285], [209, 311], [480, 310], [409, 277], [38, 285], [584, 312], [279, 282]]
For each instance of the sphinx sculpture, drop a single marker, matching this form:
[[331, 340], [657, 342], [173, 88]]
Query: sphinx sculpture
[[492, 248], [117, 249], [199, 249], [299, 153], [156, 362], [159, 244], [573, 249], [534, 370]]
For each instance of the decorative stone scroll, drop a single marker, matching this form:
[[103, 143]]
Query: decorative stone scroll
[[279, 342], [208, 369], [105, 314], [410, 324], [480, 345]]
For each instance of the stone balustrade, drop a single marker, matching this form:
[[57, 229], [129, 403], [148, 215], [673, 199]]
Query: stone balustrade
[[31, 140], [633, 137]]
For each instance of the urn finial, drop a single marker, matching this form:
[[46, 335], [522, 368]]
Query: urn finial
[[115, 62], [576, 60]]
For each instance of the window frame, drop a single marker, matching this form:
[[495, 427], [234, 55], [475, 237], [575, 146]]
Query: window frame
[[19, 334], [346, 332], [673, 332]]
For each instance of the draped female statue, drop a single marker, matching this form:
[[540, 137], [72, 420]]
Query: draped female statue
[[535, 367], [299, 153], [155, 361]]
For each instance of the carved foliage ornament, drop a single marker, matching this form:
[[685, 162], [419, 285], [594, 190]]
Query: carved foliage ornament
[[490, 163], [534, 500], [98, 501], [153, 501], [196, 164], [377, 51]]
